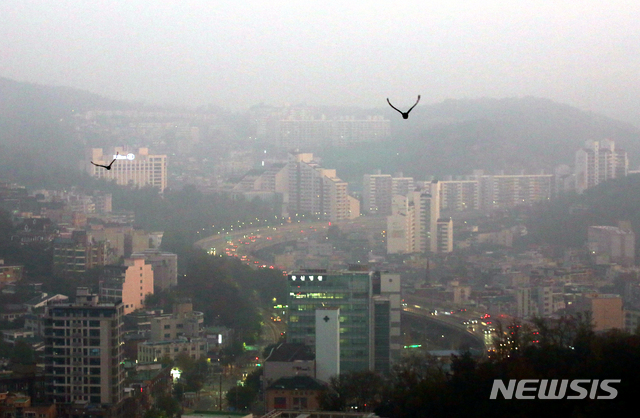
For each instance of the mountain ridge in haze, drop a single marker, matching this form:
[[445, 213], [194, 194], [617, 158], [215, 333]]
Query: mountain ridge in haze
[[452, 137], [455, 137]]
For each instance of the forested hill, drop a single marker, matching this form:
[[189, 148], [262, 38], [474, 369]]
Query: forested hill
[[26, 100], [564, 221], [455, 137], [36, 140]]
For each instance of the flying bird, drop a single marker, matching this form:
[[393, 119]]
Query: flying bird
[[405, 115], [108, 167]]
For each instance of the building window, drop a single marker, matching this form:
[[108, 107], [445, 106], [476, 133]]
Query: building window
[[280, 402], [299, 403]]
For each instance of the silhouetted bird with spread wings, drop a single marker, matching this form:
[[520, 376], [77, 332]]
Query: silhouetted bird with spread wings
[[108, 167], [405, 115]]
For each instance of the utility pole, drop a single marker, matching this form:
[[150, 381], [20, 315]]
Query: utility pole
[[220, 388]]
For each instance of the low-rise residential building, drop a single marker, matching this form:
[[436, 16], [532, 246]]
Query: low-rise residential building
[[299, 393], [152, 351], [18, 405], [77, 252], [287, 360], [10, 336], [42, 301], [10, 273]]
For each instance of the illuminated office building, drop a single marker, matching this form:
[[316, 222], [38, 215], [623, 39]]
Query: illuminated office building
[[137, 168], [369, 303]]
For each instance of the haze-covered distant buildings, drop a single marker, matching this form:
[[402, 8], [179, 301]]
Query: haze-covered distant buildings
[[612, 244], [130, 169], [415, 225], [318, 191], [597, 162], [302, 127]]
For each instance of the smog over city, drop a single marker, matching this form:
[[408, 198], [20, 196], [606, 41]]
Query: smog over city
[[272, 208]]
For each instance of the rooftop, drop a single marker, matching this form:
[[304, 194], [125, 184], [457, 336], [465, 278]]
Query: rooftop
[[297, 383], [291, 352]]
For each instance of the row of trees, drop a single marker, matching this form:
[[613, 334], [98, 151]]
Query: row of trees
[[420, 386], [227, 291]]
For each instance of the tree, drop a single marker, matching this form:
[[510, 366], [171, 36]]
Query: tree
[[168, 405], [156, 413], [360, 390], [241, 397], [22, 353], [253, 379]]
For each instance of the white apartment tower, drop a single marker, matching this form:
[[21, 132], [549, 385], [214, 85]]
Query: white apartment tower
[[505, 191], [459, 195], [378, 191], [402, 185], [598, 162], [377, 194], [445, 235], [413, 225], [136, 169], [317, 190], [427, 213], [400, 227]]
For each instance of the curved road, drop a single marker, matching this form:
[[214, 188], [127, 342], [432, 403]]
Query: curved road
[[271, 235]]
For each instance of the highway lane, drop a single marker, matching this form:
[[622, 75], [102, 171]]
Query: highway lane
[[266, 236]]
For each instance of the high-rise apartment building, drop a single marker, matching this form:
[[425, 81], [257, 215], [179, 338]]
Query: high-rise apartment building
[[506, 191], [597, 162], [316, 190], [83, 353], [377, 193], [135, 169], [427, 212], [413, 225], [369, 316], [400, 227], [444, 240], [402, 185], [459, 195]]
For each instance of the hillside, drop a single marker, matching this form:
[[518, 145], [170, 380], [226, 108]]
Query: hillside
[[36, 140], [564, 221], [457, 136], [449, 138]]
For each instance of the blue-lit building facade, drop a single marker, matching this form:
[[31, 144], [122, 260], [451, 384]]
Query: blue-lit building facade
[[369, 303]]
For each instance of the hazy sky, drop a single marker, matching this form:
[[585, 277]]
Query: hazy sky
[[239, 53]]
